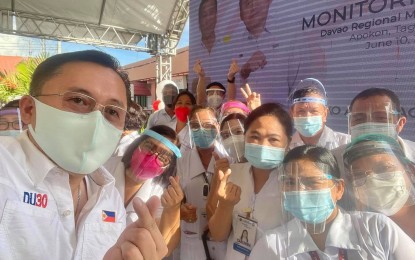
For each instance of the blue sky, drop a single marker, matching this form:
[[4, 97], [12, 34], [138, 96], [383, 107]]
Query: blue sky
[[11, 45], [125, 57]]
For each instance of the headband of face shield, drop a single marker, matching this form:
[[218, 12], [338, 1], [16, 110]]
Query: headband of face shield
[[300, 94], [152, 156], [204, 130], [233, 104], [380, 175], [306, 193], [373, 118], [13, 128], [233, 138]]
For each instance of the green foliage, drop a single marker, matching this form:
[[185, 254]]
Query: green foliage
[[16, 84]]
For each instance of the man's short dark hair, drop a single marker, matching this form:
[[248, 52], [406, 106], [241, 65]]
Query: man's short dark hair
[[371, 92], [51, 66], [218, 84]]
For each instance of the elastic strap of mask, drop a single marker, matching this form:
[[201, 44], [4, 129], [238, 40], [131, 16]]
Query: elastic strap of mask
[[20, 120], [310, 100], [164, 141]]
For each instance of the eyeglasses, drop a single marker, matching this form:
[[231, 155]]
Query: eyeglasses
[[164, 157], [382, 171], [83, 104], [237, 130], [4, 125], [196, 125], [290, 182]]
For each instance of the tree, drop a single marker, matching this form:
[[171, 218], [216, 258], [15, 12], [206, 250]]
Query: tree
[[15, 84]]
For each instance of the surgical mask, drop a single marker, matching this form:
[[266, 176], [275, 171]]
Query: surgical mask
[[214, 100], [235, 146], [313, 206], [204, 138], [145, 165], [78, 143], [182, 113], [373, 128], [13, 133], [264, 157], [384, 195], [308, 126]]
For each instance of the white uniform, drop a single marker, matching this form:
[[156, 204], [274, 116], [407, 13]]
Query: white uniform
[[363, 235], [161, 117], [190, 169], [37, 213], [266, 205], [329, 139], [116, 167]]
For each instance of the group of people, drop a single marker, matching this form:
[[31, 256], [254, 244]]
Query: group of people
[[206, 179]]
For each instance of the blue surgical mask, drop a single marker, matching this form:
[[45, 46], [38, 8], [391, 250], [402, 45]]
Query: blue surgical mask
[[264, 157], [204, 138], [308, 126], [313, 206], [10, 133]]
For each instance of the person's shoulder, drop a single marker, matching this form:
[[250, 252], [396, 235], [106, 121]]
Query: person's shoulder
[[11, 149], [342, 138]]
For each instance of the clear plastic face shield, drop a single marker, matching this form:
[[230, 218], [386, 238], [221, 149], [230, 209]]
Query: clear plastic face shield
[[215, 97], [152, 156], [233, 107], [10, 122], [166, 92], [373, 118], [380, 176], [204, 129], [307, 200], [233, 139]]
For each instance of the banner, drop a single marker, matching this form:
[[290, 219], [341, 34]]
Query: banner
[[348, 45]]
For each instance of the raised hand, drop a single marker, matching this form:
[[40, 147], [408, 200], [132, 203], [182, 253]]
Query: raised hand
[[253, 99], [233, 69], [228, 193], [188, 213], [141, 239], [173, 195], [198, 69]]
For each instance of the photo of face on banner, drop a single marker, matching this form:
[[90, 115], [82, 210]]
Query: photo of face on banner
[[207, 22], [254, 14]]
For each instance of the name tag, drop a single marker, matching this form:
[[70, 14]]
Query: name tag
[[244, 235]]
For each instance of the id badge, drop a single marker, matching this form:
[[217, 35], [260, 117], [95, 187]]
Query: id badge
[[244, 235]]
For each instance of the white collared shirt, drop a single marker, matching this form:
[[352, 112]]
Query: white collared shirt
[[329, 139], [266, 204], [37, 216], [190, 169], [161, 117], [148, 189], [363, 235]]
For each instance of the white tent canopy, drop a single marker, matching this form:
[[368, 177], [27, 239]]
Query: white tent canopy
[[144, 25]]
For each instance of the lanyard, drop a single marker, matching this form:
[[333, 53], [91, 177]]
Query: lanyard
[[206, 188], [342, 254]]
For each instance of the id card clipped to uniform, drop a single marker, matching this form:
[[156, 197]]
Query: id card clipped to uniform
[[245, 233]]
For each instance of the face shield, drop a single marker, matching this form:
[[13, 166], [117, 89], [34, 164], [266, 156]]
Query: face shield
[[307, 194], [10, 122], [204, 129], [215, 97], [232, 107], [167, 91], [152, 156], [233, 139], [373, 118], [380, 177]]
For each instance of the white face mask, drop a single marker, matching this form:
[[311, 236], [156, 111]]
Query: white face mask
[[374, 128], [235, 146], [10, 133], [386, 196], [78, 143], [214, 100]]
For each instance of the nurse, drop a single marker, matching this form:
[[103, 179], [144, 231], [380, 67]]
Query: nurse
[[146, 170], [315, 227], [381, 179], [247, 192], [183, 105], [195, 169], [309, 110]]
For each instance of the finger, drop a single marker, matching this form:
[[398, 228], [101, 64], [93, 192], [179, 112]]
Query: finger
[[145, 243], [189, 206], [164, 200], [248, 89], [175, 184], [130, 252], [172, 192], [226, 175], [244, 93]]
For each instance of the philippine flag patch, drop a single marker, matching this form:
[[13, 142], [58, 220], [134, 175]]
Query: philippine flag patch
[[108, 216]]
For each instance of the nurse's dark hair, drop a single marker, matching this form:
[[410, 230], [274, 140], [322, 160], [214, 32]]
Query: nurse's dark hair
[[197, 109], [52, 66], [165, 131], [232, 116], [271, 109], [371, 92], [316, 154], [186, 93]]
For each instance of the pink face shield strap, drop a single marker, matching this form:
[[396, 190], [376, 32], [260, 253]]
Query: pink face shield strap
[[235, 104]]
